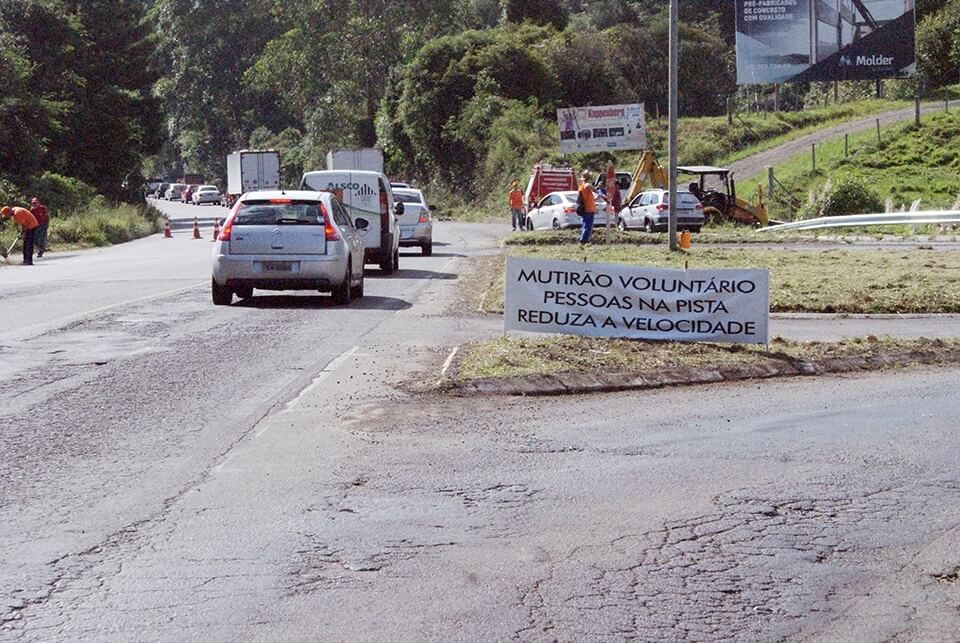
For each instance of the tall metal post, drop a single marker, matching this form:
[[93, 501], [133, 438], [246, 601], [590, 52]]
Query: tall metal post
[[674, 118]]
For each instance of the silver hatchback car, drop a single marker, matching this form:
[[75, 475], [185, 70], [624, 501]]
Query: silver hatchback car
[[416, 222], [288, 241]]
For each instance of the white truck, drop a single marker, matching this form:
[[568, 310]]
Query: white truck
[[366, 159], [251, 170]]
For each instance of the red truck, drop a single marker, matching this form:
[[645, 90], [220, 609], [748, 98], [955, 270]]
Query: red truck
[[545, 179]]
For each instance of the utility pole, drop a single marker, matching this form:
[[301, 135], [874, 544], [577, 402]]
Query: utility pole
[[674, 118]]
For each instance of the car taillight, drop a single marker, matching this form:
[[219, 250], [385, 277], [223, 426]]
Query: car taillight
[[663, 206], [424, 216], [384, 206], [569, 210], [228, 224], [329, 231]]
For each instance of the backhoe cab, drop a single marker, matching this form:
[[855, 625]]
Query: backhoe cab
[[717, 191]]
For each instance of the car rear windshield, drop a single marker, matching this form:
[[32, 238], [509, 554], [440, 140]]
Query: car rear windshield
[[407, 198], [267, 213]]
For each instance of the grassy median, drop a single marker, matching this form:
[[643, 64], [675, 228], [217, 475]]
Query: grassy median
[[888, 281], [517, 357]]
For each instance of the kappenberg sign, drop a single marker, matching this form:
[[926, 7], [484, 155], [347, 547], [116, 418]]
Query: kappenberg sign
[[812, 40], [607, 300], [603, 127]]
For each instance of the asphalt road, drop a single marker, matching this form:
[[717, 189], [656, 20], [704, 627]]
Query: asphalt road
[[170, 470]]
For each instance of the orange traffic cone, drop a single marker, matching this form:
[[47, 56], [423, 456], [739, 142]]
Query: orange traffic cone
[[216, 230], [196, 229], [167, 232]]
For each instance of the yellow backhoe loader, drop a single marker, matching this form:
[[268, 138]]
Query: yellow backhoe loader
[[714, 186]]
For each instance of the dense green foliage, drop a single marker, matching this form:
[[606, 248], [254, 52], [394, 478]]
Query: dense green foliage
[[460, 94], [75, 85]]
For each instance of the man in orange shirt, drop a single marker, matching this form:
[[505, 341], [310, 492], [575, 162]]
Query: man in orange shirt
[[28, 226], [586, 208], [515, 198]]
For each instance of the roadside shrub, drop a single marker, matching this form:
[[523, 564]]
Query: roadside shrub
[[10, 194], [103, 225], [846, 194], [63, 195]]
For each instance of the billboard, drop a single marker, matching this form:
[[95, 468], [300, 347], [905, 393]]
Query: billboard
[[602, 128], [783, 41]]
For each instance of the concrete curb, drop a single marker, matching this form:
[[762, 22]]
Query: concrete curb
[[579, 383]]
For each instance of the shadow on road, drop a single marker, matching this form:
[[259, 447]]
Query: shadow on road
[[405, 273], [320, 302]]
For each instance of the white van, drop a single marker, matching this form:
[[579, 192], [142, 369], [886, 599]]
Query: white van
[[367, 196]]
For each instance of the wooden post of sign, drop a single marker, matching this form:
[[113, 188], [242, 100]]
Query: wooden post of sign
[[879, 140], [846, 146], [813, 150], [916, 109], [729, 111], [771, 180]]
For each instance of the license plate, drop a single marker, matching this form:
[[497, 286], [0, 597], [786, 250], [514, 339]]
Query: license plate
[[276, 266]]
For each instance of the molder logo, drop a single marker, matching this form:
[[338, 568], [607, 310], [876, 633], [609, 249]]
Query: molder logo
[[877, 60]]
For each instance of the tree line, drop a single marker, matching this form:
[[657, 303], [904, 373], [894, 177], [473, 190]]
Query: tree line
[[107, 91]]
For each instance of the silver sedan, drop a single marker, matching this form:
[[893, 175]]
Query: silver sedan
[[288, 241]]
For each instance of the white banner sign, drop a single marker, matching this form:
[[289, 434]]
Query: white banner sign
[[605, 127], [637, 302]]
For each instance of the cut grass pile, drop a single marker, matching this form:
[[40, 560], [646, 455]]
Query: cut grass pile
[[515, 357], [909, 163], [828, 281]]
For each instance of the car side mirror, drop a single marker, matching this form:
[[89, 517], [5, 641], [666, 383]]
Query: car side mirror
[[361, 224], [398, 209]]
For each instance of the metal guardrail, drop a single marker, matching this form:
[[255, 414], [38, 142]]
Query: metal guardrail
[[859, 220]]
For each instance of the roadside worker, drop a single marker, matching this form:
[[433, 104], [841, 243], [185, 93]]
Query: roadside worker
[[39, 211], [586, 207], [515, 199], [28, 226]]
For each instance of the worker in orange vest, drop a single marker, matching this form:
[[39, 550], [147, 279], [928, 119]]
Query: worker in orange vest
[[515, 199], [28, 227]]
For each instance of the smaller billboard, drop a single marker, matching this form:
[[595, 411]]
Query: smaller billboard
[[602, 128], [637, 302]]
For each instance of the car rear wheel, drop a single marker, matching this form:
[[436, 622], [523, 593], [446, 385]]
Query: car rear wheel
[[343, 294], [244, 292], [556, 224], [648, 226], [427, 248], [222, 296], [621, 225]]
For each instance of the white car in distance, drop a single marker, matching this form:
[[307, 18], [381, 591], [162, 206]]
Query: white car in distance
[[207, 194], [558, 211]]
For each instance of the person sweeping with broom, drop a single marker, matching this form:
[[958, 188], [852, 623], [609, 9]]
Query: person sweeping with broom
[[28, 229]]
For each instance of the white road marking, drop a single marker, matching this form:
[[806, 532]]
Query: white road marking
[[447, 364], [318, 380]]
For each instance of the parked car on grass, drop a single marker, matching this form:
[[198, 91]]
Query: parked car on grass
[[558, 211], [416, 222], [650, 210], [288, 241], [207, 194]]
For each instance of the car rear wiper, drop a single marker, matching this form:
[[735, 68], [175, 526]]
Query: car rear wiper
[[292, 221]]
